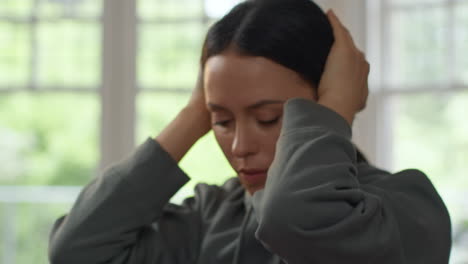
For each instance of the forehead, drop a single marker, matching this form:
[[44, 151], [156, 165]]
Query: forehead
[[229, 76]]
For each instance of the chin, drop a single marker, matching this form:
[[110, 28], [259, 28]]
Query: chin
[[253, 189], [252, 186]]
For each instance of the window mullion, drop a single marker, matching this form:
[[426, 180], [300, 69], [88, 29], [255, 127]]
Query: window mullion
[[118, 91], [33, 74], [385, 112], [450, 35]]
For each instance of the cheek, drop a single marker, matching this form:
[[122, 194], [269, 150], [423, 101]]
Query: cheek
[[225, 142]]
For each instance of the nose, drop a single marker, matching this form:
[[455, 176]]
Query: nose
[[244, 142]]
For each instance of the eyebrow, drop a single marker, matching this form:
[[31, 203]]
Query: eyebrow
[[250, 107]]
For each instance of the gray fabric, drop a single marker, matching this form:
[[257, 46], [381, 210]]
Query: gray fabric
[[319, 205]]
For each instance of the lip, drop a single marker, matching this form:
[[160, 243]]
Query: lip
[[254, 176]]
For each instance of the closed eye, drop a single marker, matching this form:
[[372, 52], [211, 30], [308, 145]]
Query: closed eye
[[269, 122], [266, 123], [222, 123]]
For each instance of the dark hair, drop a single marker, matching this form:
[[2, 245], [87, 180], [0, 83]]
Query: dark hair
[[293, 33]]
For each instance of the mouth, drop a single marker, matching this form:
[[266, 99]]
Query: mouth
[[253, 176]]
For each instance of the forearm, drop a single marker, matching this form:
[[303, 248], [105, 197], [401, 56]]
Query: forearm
[[182, 133], [112, 211], [340, 108], [312, 186], [314, 200]]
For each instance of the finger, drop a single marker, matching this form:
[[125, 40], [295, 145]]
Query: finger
[[366, 97], [349, 38], [336, 25], [365, 71], [367, 68], [362, 58], [340, 32]]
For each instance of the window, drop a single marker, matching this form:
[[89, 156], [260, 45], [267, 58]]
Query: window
[[422, 95], [60, 65], [49, 110], [171, 35], [84, 81]]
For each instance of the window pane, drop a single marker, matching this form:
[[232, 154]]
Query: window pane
[[169, 55], [15, 8], [67, 8], [412, 2], [150, 9], [205, 162], [156, 110], [418, 48], [25, 229], [217, 9], [48, 139], [69, 55], [431, 134], [461, 35], [14, 55]]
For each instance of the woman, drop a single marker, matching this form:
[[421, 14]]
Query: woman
[[280, 87]]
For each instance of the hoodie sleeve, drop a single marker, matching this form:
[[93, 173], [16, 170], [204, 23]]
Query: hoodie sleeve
[[123, 216], [314, 209]]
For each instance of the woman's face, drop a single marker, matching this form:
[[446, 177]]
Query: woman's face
[[245, 96]]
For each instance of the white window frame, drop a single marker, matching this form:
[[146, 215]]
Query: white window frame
[[117, 99], [378, 31], [118, 92], [372, 130]]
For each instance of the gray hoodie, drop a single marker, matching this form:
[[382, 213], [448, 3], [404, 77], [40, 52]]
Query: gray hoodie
[[319, 206]]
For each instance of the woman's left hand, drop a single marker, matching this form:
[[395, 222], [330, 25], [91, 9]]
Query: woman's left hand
[[343, 87]]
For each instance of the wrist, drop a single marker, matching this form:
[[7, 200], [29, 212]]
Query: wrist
[[182, 133], [199, 119], [342, 109]]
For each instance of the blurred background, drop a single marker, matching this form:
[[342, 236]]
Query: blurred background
[[82, 82]]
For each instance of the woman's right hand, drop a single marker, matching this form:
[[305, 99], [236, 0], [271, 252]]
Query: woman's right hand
[[197, 105], [192, 123]]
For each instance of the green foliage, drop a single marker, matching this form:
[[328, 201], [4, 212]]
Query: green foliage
[[31, 224], [461, 41], [430, 134], [16, 8], [75, 60], [418, 52], [85, 8], [53, 136], [169, 54], [14, 55], [170, 9]]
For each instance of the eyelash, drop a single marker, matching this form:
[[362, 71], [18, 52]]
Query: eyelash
[[270, 122], [265, 123], [221, 123]]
